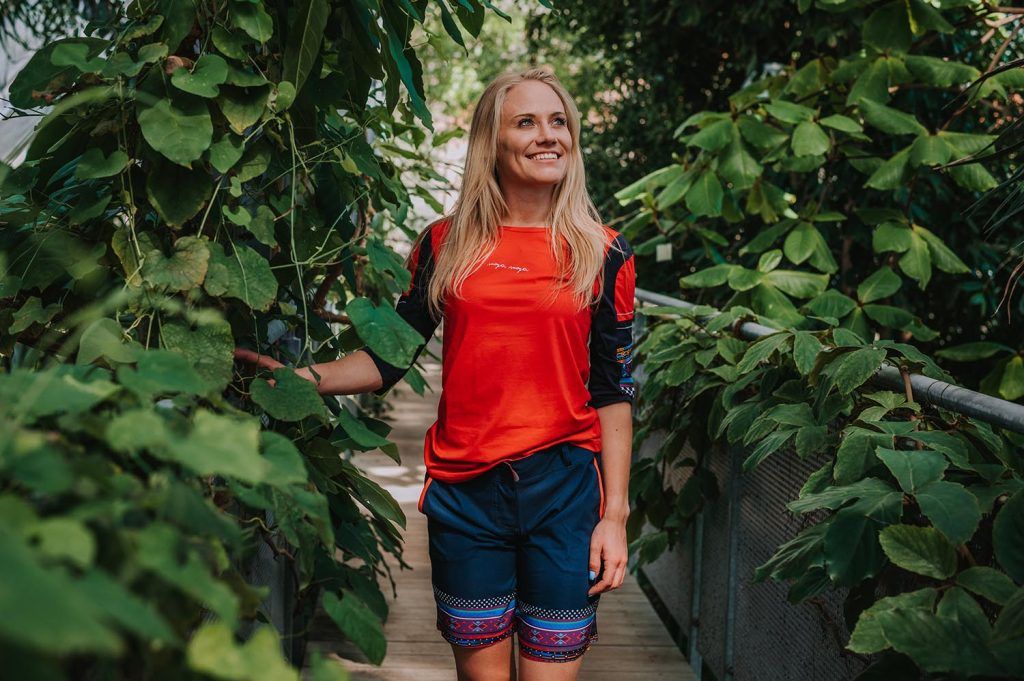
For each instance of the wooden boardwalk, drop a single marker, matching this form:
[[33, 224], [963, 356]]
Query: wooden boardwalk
[[633, 645]]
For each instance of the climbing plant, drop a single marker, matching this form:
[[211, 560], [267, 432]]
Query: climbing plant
[[821, 203], [204, 174]]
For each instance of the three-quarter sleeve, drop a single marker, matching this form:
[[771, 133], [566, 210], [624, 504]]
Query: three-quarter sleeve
[[611, 332], [412, 307]]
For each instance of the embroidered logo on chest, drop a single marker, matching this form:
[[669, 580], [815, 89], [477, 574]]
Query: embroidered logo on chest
[[503, 266]]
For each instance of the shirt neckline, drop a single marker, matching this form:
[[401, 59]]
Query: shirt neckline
[[525, 228]]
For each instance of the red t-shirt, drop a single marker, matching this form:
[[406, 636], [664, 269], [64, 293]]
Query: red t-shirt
[[519, 375]]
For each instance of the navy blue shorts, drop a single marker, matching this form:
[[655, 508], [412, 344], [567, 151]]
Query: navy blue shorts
[[510, 552]]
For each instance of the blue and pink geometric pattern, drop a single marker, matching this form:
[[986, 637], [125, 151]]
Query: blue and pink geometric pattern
[[555, 635], [474, 622]]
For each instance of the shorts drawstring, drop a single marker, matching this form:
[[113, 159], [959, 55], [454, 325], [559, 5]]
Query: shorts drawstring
[[515, 476]]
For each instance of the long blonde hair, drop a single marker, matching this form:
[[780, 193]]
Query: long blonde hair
[[578, 237]]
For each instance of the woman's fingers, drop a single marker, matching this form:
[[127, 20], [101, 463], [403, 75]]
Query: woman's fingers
[[252, 357]]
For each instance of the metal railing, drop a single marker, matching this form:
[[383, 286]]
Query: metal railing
[[726, 624]]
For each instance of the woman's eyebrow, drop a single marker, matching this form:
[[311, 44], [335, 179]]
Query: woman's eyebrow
[[553, 113]]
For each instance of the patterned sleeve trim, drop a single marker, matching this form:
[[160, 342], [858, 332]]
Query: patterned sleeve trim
[[611, 335]]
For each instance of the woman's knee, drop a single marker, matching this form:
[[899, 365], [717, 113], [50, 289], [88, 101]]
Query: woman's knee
[[493, 662]]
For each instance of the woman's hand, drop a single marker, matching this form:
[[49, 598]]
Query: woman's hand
[[251, 357], [608, 545]]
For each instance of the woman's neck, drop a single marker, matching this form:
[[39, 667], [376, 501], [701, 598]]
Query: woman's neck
[[527, 205]]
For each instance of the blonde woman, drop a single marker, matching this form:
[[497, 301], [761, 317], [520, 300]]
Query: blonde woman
[[528, 461]]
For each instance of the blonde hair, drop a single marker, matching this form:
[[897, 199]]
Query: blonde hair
[[578, 237]]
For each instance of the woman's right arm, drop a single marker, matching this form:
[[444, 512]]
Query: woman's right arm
[[354, 373]]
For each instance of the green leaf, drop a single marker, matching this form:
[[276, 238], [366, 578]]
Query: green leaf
[[230, 43], [809, 139], [213, 652], [888, 28], [292, 398], [916, 263], [220, 445], [358, 623], [736, 165], [760, 134], [124, 608], [32, 312], [209, 72], [54, 615], [304, 38], [853, 369], [788, 112], [797, 284], [286, 467], [262, 226], [94, 165], [104, 338], [851, 548], [882, 284], [245, 275], [384, 331], [760, 351], [1011, 384], [841, 123], [806, 347], [184, 270], [868, 636], [41, 77], [929, 150], [65, 389], [714, 136], [359, 432], [889, 316], [242, 106], [177, 193], [890, 120], [913, 469], [988, 583], [209, 348], [160, 372], [892, 173], [178, 127], [1008, 537], [704, 197], [971, 352], [951, 508], [253, 19], [944, 258], [921, 550], [891, 236]]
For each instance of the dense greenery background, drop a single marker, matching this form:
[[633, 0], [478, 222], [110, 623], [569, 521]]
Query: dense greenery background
[[231, 172]]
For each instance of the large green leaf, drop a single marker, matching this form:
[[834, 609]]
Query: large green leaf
[[704, 197], [913, 469], [221, 445], [868, 636], [160, 372], [104, 338], [988, 582], [890, 120], [922, 550], [208, 347], [714, 136], [852, 553], [384, 331], [882, 284], [1008, 537], [94, 165], [41, 77], [184, 270], [213, 652], [54, 615], [853, 369], [809, 139], [177, 193], [888, 28], [292, 398], [951, 508], [243, 106], [178, 126], [204, 80], [916, 263], [304, 38], [253, 19], [244, 274], [358, 623]]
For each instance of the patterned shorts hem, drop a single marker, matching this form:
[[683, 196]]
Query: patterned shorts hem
[[554, 656], [457, 640]]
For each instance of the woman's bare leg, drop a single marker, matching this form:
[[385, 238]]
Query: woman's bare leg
[[486, 663], [532, 670]]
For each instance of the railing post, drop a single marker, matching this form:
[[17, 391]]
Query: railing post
[[698, 562], [734, 540]]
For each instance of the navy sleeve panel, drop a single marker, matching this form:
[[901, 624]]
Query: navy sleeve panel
[[412, 307], [611, 331]]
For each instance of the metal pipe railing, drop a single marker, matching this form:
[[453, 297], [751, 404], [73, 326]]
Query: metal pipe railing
[[993, 410]]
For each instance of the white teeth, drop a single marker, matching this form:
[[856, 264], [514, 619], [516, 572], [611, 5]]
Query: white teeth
[[540, 156]]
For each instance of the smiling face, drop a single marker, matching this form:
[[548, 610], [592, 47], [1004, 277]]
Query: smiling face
[[533, 137]]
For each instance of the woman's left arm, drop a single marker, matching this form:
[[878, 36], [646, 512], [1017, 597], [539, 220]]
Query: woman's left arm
[[608, 541]]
